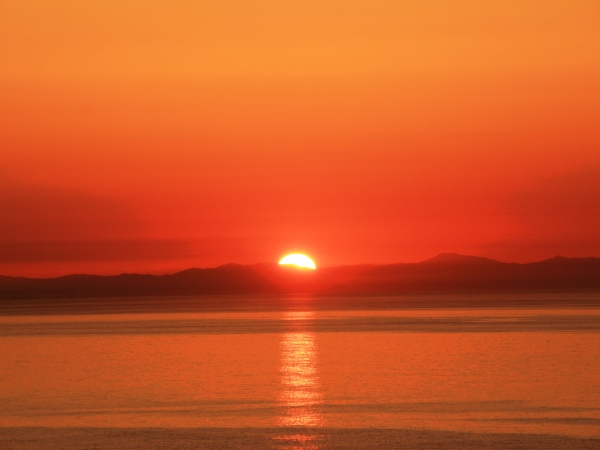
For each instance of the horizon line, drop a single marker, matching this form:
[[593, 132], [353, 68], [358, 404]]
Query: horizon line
[[275, 263]]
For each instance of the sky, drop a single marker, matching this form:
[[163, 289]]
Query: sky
[[152, 136]]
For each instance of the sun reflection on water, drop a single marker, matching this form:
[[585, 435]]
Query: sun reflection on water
[[300, 395]]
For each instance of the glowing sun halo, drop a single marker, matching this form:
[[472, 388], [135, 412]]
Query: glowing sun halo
[[299, 260]]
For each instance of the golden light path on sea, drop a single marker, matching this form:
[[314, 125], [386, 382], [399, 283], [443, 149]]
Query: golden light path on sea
[[300, 395]]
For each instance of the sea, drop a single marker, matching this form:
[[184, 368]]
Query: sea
[[472, 370]]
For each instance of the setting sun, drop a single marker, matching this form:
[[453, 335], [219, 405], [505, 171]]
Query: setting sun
[[299, 260]]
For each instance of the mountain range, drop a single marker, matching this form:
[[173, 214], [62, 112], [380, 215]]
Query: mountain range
[[445, 272]]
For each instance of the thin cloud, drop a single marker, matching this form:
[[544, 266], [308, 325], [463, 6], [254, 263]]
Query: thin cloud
[[99, 250]]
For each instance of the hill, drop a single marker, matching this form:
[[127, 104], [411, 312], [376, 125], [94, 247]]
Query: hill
[[445, 272]]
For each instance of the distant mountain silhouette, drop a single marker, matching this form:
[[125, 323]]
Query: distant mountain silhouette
[[445, 272], [455, 258]]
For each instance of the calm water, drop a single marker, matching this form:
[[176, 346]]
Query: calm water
[[302, 372]]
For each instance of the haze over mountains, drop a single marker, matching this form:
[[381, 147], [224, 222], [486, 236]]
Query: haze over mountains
[[445, 272]]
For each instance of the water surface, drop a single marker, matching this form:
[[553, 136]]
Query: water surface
[[304, 372]]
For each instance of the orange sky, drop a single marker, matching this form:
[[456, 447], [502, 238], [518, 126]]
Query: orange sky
[[153, 136]]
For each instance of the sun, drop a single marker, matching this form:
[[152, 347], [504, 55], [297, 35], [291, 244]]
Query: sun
[[299, 260]]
